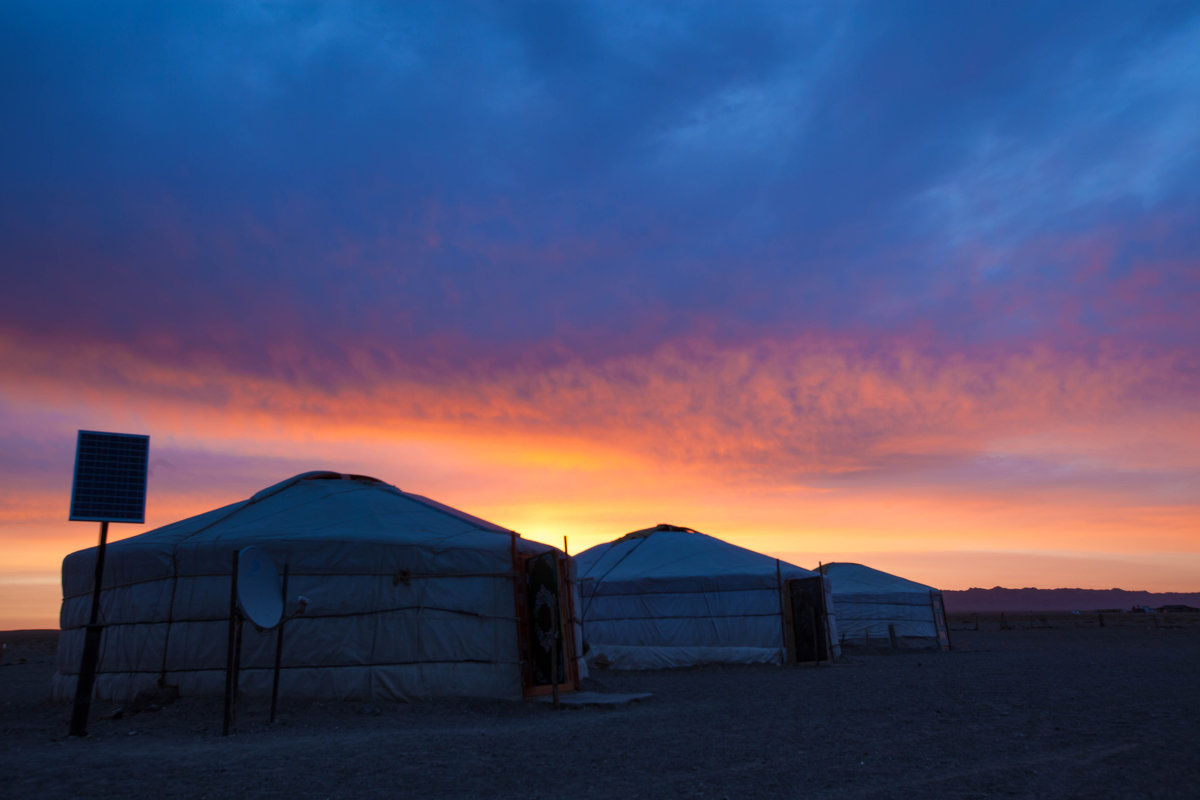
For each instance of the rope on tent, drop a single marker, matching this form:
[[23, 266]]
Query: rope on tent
[[641, 541], [407, 577], [341, 615], [162, 677], [355, 665]]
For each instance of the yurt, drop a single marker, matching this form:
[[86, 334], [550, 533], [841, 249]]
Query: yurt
[[390, 596], [670, 596], [875, 607]]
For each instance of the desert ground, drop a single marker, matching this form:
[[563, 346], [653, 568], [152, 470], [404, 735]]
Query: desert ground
[[1042, 706]]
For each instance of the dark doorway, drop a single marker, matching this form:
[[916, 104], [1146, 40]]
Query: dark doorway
[[547, 608], [939, 619], [810, 637]]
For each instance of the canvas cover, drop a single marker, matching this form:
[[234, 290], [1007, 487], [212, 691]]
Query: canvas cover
[[671, 597], [869, 600], [406, 598]]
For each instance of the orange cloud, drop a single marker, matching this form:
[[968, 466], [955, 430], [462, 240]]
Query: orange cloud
[[813, 405], [812, 449]]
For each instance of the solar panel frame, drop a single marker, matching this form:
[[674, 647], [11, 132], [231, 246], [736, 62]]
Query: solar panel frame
[[110, 477]]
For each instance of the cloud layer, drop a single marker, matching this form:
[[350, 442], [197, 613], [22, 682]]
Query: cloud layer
[[766, 263]]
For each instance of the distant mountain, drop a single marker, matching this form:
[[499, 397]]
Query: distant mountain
[[1000, 599]]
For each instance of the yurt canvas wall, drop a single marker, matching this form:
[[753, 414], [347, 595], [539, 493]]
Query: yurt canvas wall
[[670, 597], [406, 598], [874, 605]]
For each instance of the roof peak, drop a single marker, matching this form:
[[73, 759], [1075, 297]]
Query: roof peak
[[659, 528], [314, 475]]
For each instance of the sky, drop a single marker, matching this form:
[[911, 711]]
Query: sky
[[914, 284]]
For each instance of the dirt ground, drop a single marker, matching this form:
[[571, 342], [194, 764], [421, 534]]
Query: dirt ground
[[1045, 707]]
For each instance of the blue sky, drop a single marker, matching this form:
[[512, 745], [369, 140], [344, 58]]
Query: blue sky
[[594, 175]]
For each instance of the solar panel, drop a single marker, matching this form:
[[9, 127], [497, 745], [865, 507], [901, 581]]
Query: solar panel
[[110, 477]]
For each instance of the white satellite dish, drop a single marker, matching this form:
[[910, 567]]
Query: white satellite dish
[[259, 593]]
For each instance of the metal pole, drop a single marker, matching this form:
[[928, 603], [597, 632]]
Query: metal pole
[[91, 646], [99, 573], [279, 645]]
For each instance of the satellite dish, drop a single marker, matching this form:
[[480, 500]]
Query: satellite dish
[[259, 593]]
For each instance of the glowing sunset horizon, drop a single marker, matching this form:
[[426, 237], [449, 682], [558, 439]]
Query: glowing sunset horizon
[[911, 286]]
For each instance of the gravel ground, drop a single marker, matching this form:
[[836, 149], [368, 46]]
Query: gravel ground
[[1059, 708]]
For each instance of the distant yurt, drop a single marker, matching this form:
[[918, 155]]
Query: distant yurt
[[404, 598], [875, 606], [670, 596]]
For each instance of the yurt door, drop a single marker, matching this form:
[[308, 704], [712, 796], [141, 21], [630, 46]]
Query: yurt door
[[939, 619], [808, 619], [547, 611]]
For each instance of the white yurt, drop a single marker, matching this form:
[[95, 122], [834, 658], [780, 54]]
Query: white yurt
[[404, 598], [670, 596], [875, 606]]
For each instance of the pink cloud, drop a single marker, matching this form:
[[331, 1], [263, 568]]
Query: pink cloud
[[813, 445], [809, 406]]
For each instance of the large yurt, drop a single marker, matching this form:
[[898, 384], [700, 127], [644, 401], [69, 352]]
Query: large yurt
[[876, 607], [670, 596], [390, 596]]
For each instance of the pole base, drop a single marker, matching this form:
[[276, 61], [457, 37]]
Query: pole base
[[87, 680]]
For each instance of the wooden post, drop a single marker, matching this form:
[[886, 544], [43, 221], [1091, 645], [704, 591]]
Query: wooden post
[[937, 630], [816, 638], [520, 614], [574, 644], [230, 645], [946, 621], [936, 604], [892, 636], [571, 670], [789, 624], [279, 645], [237, 660], [783, 648], [825, 614], [555, 621], [554, 618]]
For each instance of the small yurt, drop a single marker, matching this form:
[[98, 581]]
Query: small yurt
[[670, 596], [876, 607], [402, 598]]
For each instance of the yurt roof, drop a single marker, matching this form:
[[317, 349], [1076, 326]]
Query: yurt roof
[[672, 551], [331, 506], [850, 578]]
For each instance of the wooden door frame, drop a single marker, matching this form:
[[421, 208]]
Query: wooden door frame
[[566, 626], [820, 615]]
